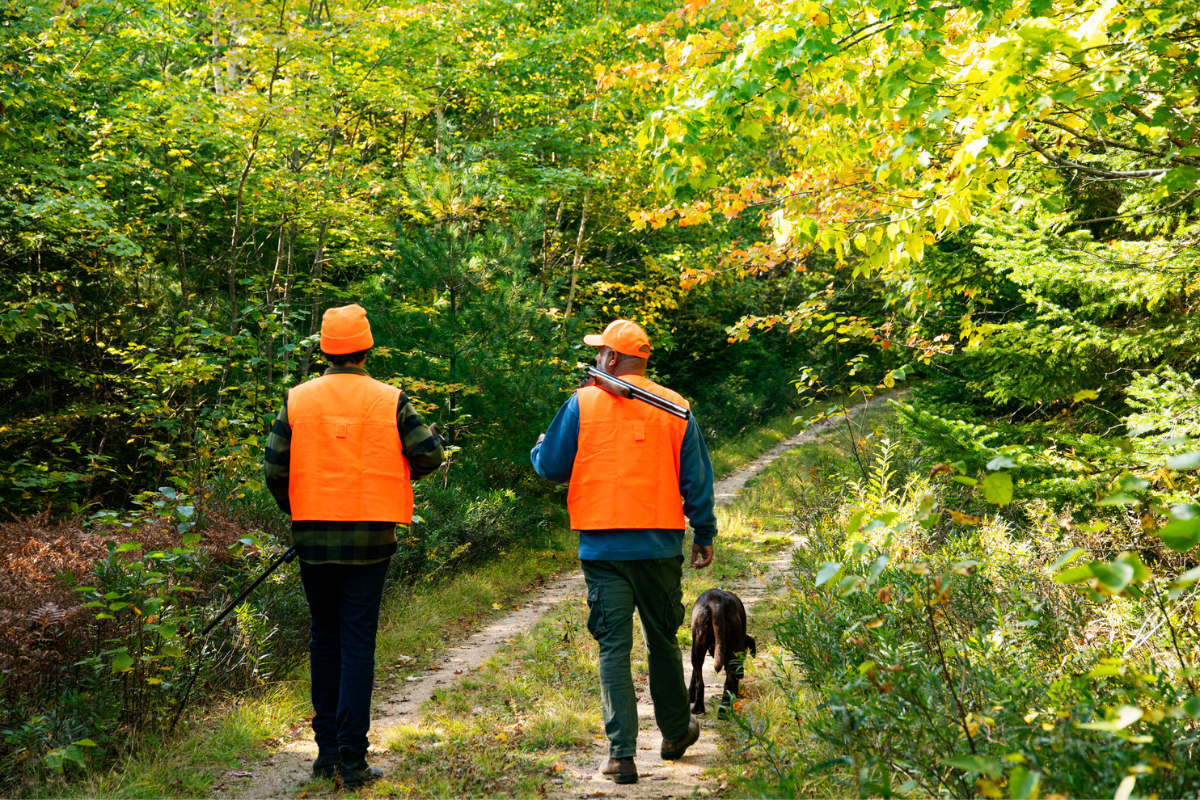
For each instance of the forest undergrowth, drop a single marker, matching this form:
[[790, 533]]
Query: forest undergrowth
[[935, 643]]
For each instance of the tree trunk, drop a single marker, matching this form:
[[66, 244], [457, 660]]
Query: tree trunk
[[577, 261], [314, 324], [218, 87]]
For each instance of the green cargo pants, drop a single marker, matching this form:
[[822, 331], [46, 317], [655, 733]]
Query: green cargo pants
[[653, 587]]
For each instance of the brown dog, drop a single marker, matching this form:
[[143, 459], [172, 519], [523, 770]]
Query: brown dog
[[719, 630]]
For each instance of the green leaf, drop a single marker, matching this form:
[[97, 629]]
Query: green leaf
[[122, 662], [1141, 572], [1115, 576], [985, 766], [827, 571], [1181, 535], [54, 760], [1132, 483], [850, 584], [1105, 671], [1118, 499], [1191, 707], [1186, 579], [85, 743], [877, 567], [1074, 575], [1185, 511], [1085, 394], [963, 479], [1023, 783], [1066, 558], [1184, 461], [125, 548], [1121, 718], [998, 488], [1000, 462]]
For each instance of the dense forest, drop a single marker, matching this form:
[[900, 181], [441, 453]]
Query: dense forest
[[995, 203]]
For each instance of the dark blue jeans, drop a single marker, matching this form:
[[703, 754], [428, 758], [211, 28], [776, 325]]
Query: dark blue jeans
[[343, 600]]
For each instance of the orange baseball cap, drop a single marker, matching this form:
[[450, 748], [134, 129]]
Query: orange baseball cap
[[624, 337], [345, 330]]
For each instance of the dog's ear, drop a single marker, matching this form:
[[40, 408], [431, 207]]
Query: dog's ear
[[750, 646]]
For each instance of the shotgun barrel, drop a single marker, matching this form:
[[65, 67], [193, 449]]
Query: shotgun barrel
[[286, 558], [628, 390]]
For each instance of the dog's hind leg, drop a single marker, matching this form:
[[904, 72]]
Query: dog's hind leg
[[696, 689], [733, 676]]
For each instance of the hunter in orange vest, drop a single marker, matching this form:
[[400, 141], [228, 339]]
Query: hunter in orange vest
[[340, 459], [637, 475]]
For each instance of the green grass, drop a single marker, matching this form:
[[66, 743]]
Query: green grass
[[187, 766], [749, 444], [511, 728], [419, 622]]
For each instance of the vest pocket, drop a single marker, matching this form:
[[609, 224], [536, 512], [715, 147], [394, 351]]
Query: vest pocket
[[639, 432]]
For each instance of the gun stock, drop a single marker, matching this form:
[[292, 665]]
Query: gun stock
[[629, 391]]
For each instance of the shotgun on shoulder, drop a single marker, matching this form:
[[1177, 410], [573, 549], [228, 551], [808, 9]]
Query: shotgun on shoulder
[[629, 391]]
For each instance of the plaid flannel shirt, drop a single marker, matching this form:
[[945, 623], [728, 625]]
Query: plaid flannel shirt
[[365, 542]]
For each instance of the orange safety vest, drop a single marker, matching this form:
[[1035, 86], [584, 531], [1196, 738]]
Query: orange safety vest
[[626, 471], [347, 463]]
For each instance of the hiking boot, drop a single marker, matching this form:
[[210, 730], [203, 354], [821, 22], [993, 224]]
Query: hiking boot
[[673, 750], [354, 770], [326, 765], [620, 770]]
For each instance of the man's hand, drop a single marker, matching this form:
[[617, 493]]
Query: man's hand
[[433, 429], [702, 555], [541, 436]]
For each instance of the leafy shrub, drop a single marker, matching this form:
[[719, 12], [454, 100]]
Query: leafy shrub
[[955, 652], [461, 523], [101, 618]]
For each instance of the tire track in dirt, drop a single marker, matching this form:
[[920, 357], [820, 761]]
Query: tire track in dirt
[[284, 773]]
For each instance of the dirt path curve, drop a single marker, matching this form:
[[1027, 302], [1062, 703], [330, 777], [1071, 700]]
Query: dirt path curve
[[284, 773]]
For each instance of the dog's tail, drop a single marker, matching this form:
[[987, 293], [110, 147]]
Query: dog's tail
[[720, 655]]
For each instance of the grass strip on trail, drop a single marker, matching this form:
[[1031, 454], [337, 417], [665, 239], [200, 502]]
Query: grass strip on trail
[[750, 444], [530, 716]]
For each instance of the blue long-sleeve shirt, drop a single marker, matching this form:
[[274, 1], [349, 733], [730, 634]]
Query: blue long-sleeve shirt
[[554, 458]]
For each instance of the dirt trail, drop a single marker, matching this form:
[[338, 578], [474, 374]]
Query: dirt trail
[[284, 773], [686, 778]]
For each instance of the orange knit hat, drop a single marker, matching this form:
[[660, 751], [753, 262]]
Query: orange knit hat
[[345, 330]]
